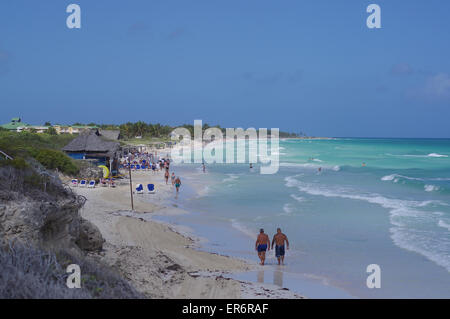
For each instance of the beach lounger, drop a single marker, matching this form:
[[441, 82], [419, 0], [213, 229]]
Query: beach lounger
[[91, 184], [151, 188], [132, 167], [138, 167], [139, 189], [83, 183], [74, 182]]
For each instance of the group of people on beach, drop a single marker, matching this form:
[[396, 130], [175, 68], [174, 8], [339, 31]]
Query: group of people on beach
[[154, 163], [263, 244], [176, 181]]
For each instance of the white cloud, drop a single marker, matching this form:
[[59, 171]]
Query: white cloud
[[438, 86], [402, 69]]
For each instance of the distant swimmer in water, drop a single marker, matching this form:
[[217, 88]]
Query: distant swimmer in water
[[251, 165], [319, 169], [261, 245], [363, 164]]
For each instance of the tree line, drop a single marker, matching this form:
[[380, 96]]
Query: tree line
[[132, 129]]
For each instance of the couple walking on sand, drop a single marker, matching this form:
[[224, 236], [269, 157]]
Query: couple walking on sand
[[263, 243]]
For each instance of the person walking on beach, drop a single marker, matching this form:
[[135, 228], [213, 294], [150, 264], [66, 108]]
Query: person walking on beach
[[166, 176], [261, 245], [173, 178], [177, 184], [279, 238]]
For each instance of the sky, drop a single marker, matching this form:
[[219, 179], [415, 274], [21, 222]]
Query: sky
[[309, 66]]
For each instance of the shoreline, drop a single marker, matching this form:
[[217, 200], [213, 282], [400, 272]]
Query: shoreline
[[218, 234], [160, 259]]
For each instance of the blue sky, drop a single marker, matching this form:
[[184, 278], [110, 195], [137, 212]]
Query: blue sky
[[310, 65]]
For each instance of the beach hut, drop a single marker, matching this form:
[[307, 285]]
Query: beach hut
[[90, 145], [112, 135]]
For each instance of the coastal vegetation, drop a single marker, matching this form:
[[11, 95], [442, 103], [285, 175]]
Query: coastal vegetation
[[45, 148], [31, 272], [130, 130]]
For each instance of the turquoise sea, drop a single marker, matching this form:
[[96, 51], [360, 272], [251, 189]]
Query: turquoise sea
[[394, 212]]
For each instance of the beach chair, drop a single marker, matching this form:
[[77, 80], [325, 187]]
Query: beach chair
[[139, 189], [151, 188], [132, 167], [83, 183], [75, 182], [91, 184], [138, 167]]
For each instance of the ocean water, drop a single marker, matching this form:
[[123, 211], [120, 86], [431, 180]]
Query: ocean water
[[394, 212]]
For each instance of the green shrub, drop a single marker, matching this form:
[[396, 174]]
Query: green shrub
[[43, 147], [15, 143], [52, 159]]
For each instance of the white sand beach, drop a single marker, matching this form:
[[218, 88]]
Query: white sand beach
[[159, 259]]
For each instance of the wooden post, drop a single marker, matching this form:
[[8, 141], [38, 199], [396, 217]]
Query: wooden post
[[131, 184]]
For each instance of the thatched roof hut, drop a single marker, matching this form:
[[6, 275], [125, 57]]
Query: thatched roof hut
[[89, 142], [110, 134]]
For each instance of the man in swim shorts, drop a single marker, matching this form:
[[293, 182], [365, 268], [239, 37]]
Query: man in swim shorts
[[177, 185], [261, 245], [279, 238]]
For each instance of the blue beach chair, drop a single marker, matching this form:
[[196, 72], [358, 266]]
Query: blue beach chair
[[151, 188], [139, 189]]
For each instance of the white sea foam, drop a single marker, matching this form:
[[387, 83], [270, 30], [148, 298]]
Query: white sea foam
[[431, 188], [416, 155], [388, 177], [398, 176], [436, 155], [230, 178], [246, 231], [404, 216], [335, 168], [424, 243], [443, 224], [288, 208], [298, 198]]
